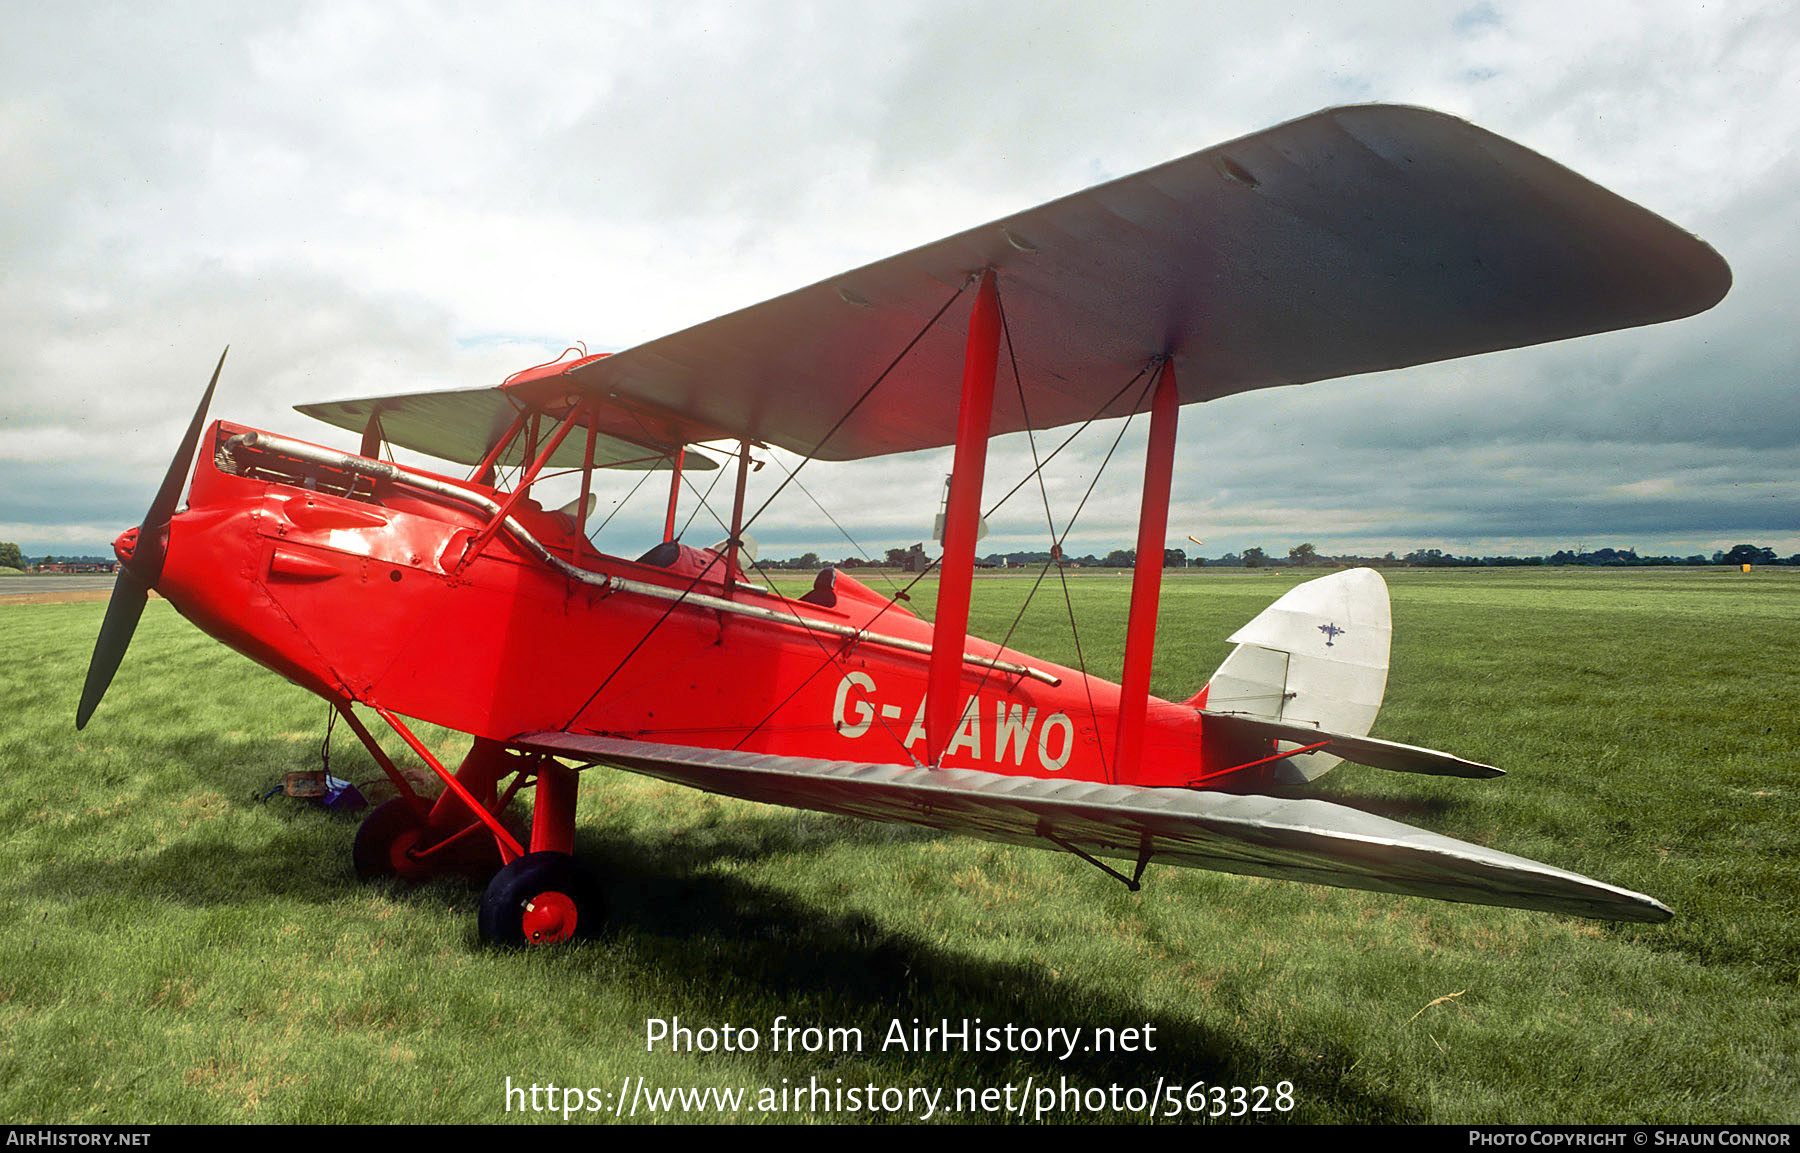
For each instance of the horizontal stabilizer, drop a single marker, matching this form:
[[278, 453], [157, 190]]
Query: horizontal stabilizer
[[1363, 750], [1288, 839]]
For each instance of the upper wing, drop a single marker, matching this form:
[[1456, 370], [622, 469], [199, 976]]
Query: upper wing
[[461, 425], [1349, 241], [1299, 840]]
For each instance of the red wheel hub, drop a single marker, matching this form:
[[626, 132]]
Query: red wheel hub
[[401, 854], [549, 919]]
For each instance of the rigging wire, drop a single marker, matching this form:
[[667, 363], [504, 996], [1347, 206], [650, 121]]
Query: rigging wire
[[902, 594], [695, 582], [1056, 540], [791, 477], [826, 513], [830, 658], [619, 505], [1070, 439], [868, 392], [673, 605], [693, 512], [1063, 577], [1050, 521], [829, 654], [648, 633]]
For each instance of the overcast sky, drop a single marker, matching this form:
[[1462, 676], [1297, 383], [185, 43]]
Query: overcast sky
[[369, 198]]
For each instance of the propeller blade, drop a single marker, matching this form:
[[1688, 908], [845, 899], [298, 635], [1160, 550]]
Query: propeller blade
[[150, 538], [138, 575], [122, 613]]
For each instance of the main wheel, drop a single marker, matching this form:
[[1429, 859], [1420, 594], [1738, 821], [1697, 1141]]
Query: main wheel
[[389, 836], [542, 898], [384, 843]]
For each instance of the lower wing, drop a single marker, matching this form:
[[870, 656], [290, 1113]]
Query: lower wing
[[1288, 839]]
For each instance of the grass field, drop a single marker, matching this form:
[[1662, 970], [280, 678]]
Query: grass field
[[175, 949]]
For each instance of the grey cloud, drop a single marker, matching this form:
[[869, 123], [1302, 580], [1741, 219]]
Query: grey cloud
[[363, 202]]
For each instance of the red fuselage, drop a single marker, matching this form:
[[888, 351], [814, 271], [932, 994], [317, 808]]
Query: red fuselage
[[359, 592]]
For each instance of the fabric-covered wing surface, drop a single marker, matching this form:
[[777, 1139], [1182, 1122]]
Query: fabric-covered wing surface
[[1350, 241], [1297, 840], [461, 425]]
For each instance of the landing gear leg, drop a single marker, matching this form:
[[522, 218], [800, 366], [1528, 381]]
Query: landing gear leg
[[542, 896], [546, 896]]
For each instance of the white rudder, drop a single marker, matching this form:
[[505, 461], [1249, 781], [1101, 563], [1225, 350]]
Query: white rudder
[[1316, 657]]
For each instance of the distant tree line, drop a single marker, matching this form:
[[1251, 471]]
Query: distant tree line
[[1301, 555], [12, 557], [1306, 555]]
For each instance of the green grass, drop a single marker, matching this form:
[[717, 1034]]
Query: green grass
[[174, 949]]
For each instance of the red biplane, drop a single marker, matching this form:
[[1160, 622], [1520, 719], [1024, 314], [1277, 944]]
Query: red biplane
[[1350, 241]]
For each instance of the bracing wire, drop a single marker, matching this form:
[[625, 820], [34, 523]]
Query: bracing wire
[[832, 657], [826, 513], [832, 431], [868, 392], [902, 593], [1056, 539], [620, 505], [693, 512]]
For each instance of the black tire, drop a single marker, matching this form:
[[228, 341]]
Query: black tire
[[379, 847], [540, 899], [379, 850]]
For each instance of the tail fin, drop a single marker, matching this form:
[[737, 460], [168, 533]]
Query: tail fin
[[1317, 657]]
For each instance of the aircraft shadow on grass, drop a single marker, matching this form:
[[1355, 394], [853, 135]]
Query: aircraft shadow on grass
[[849, 969], [1391, 807], [751, 952]]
